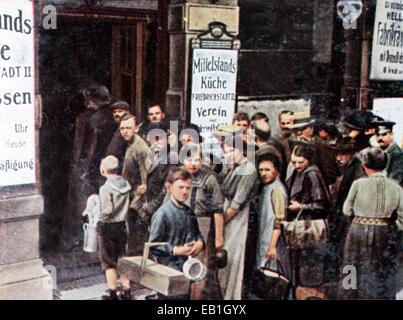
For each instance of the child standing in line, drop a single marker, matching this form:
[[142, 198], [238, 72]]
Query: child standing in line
[[111, 228]]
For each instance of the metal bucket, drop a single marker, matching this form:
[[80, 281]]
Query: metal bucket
[[90, 238], [194, 269]]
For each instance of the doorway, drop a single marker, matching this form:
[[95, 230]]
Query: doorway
[[118, 53]]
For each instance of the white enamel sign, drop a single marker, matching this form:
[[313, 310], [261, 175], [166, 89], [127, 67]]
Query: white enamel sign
[[213, 97], [387, 44]]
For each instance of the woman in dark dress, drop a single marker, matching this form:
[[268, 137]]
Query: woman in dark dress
[[308, 195], [370, 249]]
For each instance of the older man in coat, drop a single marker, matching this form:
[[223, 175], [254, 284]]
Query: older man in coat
[[150, 197]]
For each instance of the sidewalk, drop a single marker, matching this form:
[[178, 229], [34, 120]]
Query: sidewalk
[[92, 288], [80, 277]]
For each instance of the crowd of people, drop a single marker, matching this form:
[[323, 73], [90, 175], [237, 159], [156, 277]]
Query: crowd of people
[[229, 208]]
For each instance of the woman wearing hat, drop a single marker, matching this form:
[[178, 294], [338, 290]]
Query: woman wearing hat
[[349, 170]]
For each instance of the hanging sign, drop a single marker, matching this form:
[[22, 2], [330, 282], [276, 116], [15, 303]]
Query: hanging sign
[[213, 97], [387, 44]]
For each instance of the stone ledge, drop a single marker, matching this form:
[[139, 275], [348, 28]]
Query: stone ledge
[[21, 207], [22, 271], [39, 288]]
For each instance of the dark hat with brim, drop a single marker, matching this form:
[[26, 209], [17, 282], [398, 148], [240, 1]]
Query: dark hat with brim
[[374, 122], [120, 105], [359, 120], [353, 126], [345, 144]]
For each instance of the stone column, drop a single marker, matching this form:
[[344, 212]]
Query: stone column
[[22, 275], [187, 19]]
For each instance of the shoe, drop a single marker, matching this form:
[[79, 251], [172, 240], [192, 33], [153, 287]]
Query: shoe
[[110, 296], [125, 295]]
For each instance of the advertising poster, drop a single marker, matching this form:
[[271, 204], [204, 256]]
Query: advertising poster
[[213, 97], [387, 44], [17, 94]]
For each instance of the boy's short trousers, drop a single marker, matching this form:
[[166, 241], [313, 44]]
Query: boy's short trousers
[[112, 238]]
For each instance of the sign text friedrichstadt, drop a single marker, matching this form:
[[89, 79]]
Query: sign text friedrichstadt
[[213, 97]]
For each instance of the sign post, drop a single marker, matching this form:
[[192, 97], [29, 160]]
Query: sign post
[[214, 76]]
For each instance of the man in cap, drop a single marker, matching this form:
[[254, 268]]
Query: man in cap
[[385, 139], [117, 146], [150, 198], [267, 144], [323, 155], [356, 124], [371, 130], [224, 131], [94, 129], [303, 127]]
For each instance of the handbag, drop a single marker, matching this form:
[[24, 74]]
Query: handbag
[[305, 233], [270, 284]]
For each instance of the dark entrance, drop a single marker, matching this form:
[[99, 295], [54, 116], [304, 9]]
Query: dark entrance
[[115, 51]]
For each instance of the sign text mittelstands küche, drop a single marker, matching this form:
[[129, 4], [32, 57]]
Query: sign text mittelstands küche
[[17, 93], [213, 97]]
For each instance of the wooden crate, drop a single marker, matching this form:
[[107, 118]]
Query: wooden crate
[[158, 277]]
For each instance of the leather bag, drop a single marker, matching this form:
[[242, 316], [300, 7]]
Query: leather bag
[[270, 284], [305, 233]]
